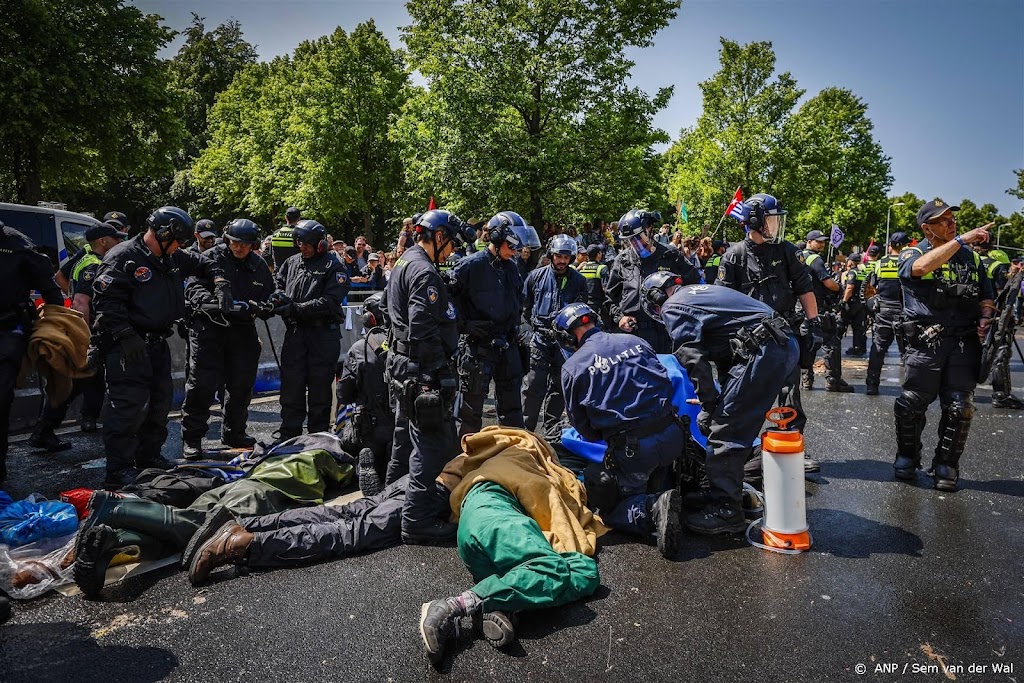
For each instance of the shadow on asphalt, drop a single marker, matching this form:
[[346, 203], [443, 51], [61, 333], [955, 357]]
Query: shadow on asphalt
[[858, 538], [863, 470], [67, 652]]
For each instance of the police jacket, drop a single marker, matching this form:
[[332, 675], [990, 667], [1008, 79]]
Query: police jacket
[[362, 376], [282, 246], [596, 275], [855, 277], [250, 281], [613, 383], [22, 270], [421, 313], [546, 294], [83, 273], [628, 274], [136, 288], [996, 271], [701, 320], [771, 272], [950, 294], [485, 287], [820, 274], [317, 287], [885, 278]]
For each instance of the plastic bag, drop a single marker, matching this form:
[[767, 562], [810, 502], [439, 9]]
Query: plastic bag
[[5, 500], [79, 498], [31, 570], [32, 520]]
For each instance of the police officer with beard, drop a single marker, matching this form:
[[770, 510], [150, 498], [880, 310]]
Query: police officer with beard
[[139, 294], [948, 304], [826, 290], [224, 348], [642, 256], [488, 294], [887, 304], [549, 290], [312, 285], [424, 337]]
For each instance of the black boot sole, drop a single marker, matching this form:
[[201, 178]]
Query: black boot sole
[[90, 574], [905, 475], [736, 528], [670, 527]]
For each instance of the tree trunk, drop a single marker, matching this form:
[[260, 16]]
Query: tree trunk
[[27, 173], [537, 212], [368, 228]]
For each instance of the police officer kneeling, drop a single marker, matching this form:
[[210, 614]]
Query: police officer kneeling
[[948, 304], [719, 326], [224, 348], [139, 294], [311, 287], [618, 391]]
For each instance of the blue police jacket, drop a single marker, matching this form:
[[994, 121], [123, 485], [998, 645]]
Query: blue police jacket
[[951, 294], [486, 288], [613, 383], [545, 294]]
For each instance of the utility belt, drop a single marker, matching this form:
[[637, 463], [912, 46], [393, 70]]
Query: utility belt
[[919, 334], [749, 340], [628, 439], [428, 403]]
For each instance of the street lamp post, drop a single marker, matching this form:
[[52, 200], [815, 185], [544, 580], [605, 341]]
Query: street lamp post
[[999, 233], [888, 214]]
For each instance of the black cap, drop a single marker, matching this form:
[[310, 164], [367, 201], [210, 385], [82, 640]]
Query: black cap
[[593, 250], [933, 210], [855, 258], [815, 236], [292, 214], [205, 228], [116, 218], [719, 244], [899, 239], [874, 250], [103, 230]]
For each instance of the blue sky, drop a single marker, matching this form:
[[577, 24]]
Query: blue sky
[[943, 80]]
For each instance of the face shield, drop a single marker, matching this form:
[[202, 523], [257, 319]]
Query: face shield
[[641, 244]]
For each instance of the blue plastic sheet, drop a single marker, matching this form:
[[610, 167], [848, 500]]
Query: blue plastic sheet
[[26, 521]]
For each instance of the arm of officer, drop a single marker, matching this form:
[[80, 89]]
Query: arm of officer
[[799, 277], [614, 290], [730, 272], [987, 303], [698, 367], [528, 298], [113, 289], [936, 256], [334, 290], [575, 391], [824, 276], [83, 292], [348, 382], [426, 314], [40, 277], [850, 280]]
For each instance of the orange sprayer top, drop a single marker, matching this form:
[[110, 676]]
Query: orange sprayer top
[[780, 440]]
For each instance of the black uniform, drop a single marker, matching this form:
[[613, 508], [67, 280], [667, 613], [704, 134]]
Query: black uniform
[[22, 270], [1002, 389], [488, 294], [423, 384], [887, 304], [826, 300], [854, 311], [545, 295], [224, 349], [312, 342], [773, 274], [140, 293], [943, 357], [623, 291]]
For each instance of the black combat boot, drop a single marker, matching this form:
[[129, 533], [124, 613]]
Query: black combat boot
[[840, 385], [43, 438], [1006, 401], [909, 425], [233, 439], [369, 480], [665, 514], [954, 427], [192, 451], [435, 532], [440, 621], [717, 518]]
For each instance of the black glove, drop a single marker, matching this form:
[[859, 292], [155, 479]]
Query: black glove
[[261, 310], [704, 422], [224, 298], [285, 310], [480, 329], [810, 340], [133, 349]]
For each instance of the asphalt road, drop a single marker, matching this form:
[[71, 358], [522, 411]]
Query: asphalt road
[[900, 576]]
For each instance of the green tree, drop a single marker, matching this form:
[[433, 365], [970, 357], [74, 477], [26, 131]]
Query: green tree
[[84, 97], [1018, 191], [739, 139], [529, 106]]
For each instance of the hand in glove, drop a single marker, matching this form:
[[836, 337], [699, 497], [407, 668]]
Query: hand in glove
[[263, 310], [812, 328], [479, 329], [133, 349], [224, 298], [704, 422], [285, 310]]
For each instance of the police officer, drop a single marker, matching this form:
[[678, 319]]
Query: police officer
[[596, 275], [22, 270], [642, 256], [948, 304], [312, 285], [770, 271], [887, 306], [618, 391], [139, 294], [825, 294], [711, 267], [206, 236], [997, 265], [282, 243], [721, 327], [488, 294], [423, 384], [361, 381], [224, 348], [548, 291], [100, 239], [854, 312]]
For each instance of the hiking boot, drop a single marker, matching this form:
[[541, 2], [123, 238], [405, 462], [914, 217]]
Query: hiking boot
[[43, 438], [497, 628], [716, 518], [94, 549], [238, 440], [437, 532], [192, 451], [840, 385], [118, 479], [215, 521], [440, 621], [698, 500], [230, 545], [665, 514], [872, 390], [1007, 401], [369, 480], [945, 477]]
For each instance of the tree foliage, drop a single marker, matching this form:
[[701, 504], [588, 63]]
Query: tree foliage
[[528, 105]]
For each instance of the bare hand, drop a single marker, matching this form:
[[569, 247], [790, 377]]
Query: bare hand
[[977, 235], [627, 323], [983, 325]]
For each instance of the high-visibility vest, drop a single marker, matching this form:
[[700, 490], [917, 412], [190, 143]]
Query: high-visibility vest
[[591, 270]]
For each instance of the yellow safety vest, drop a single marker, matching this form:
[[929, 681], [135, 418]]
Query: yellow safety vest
[[591, 270]]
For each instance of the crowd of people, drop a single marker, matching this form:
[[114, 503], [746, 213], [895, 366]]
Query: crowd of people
[[575, 334]]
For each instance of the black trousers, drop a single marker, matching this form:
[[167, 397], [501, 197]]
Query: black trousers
[[883, 333], [12, 350], [323, 532], [139, 397], [479, 365], [857, 319], [219, 356], [91, 389], [831, 350], [949, 367], [542, 387], [309, 357], [1001, 371]]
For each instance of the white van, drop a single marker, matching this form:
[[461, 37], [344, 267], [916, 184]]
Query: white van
[[56, 232]]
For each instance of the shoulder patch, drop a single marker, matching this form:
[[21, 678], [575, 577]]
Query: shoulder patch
[[143, 274], [800, 257], [721, 272], [87, 274], [342, 278], [432, 294], [905, 254], [102, 281]]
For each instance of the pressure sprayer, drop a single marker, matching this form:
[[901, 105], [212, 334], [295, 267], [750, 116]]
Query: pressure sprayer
[[784, 525]]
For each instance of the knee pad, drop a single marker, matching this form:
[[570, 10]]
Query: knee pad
[[912, 403], [959, 404]]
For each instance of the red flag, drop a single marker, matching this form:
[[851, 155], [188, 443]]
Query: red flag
[[871, 243], [432, 205], [737, 199], [913, 242]]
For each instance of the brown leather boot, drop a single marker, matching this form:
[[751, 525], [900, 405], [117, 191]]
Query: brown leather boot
[[230, 545]]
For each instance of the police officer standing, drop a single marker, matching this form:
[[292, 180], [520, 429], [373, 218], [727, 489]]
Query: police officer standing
[[596, 275], [139, 294], [854, 313], [224, 348], [22, 270], [488, 294], [825, 294], [642, 256], [312, 285], [548, 291], [711, 267], [887, 305], [997, 265], [423, 383], [282, 242], [721, 327], [618, 391], [948, 304]]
